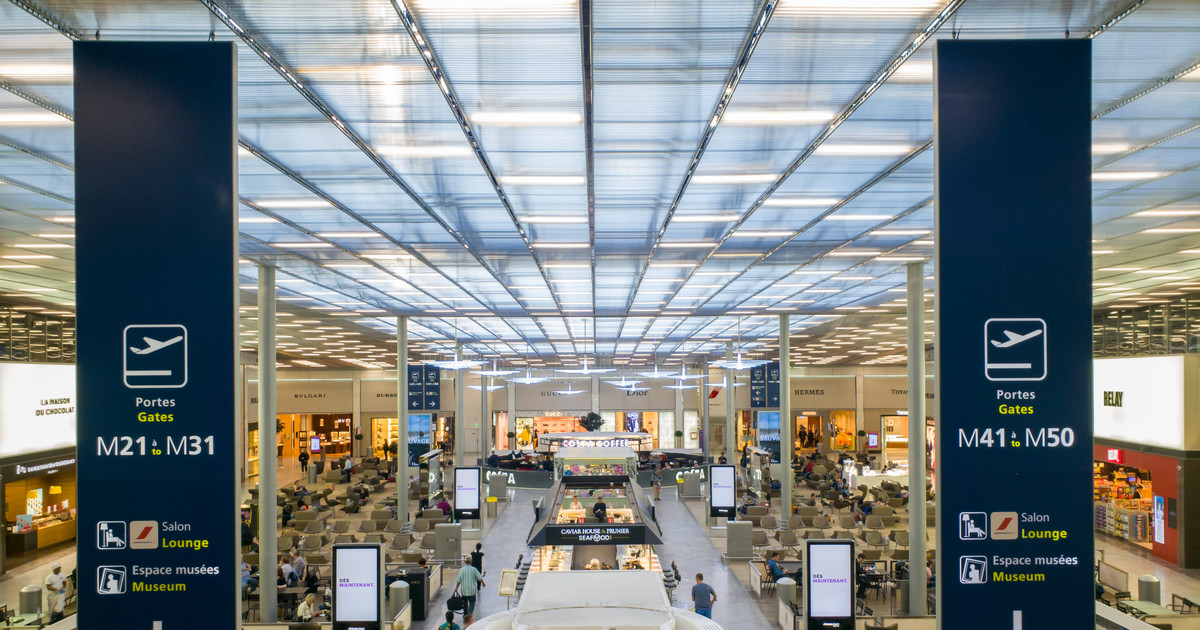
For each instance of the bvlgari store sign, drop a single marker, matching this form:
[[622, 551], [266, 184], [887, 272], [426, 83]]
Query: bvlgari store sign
[[305, 396]]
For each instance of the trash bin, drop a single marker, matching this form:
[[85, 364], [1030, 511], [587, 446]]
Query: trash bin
[[29, 600], [312, 474], [398, 595], [491, 509], [1149, 589], [785, 590]]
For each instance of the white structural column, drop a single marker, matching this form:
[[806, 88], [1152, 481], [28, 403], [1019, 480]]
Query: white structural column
[[485, 423], [730, 423], [916, 438], [402, 418], [460, 414], [267, 484], [706, 442], [787, 441]]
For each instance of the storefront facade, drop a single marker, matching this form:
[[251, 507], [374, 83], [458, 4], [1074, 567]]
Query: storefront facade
[[1147, 454], [37, 456]]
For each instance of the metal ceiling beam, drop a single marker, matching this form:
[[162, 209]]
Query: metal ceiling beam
[[273, 59], [758, 25], [441, 78]]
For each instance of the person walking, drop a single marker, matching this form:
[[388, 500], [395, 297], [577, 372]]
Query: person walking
[[449, 625], [704, 596], [467, 584], [477, 558], [303, 457], [56, 593], [656, 479]]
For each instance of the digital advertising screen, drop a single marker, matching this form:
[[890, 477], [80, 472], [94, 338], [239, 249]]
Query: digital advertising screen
[[722, 490], [829, 574], [357, 589], [466, 492], [314, 444]]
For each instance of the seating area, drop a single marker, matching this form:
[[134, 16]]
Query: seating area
[[875, 518], [337, 513]]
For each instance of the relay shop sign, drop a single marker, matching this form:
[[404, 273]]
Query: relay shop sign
[[1014, 295], [156, 228]]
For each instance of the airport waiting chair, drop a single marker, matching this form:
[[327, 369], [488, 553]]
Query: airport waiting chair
[[340, 527], [768, 523], [795, 522], [393, 526], [313, 527], [312, 543], [366, 527], [429, 541], [374, 538], [900, 537], [284, 543], [400, 542], [345, 538], [875, 539], [758, 539]]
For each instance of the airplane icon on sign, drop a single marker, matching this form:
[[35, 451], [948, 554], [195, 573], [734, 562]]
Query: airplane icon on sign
[[1013, 338], [153, 345]]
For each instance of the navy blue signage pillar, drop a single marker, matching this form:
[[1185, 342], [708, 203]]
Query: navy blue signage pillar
[[1014, 299], [156, 269]]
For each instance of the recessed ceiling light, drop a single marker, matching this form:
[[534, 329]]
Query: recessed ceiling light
[[1170, 230], [43, 245]]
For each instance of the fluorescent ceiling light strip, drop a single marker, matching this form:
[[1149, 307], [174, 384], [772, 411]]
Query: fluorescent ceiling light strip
[[257, 220], [527, 117], [1168, 213], [705, 218], [350, 235], [863, 150], [560, 245], [748, 178], [816, 202], [552, 219], [292, 203], [31, 119], [775, 116], [543, 180], [858, 217], [305, 245], [1121, 176], [761, 233]]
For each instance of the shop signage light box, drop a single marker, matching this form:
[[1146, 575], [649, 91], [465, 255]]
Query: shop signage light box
[[1150, 393]]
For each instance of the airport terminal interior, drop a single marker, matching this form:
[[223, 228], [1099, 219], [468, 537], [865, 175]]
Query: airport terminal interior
[[639, 299]]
